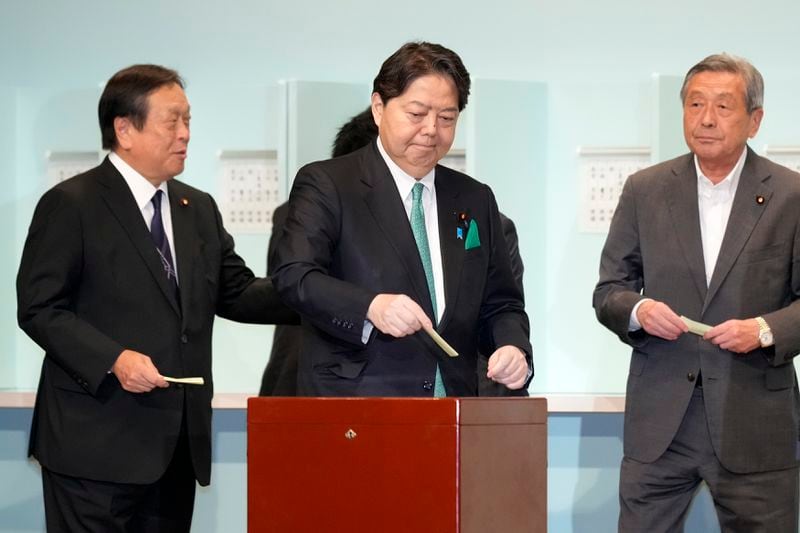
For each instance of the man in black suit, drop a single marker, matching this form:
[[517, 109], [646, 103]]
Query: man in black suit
[[280, 375], [383, 243], [122, 273]]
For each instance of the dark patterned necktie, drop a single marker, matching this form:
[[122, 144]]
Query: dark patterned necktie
[[161, 242]]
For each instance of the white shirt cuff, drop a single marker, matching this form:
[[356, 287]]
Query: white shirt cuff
[[367, 331], [633, 323]]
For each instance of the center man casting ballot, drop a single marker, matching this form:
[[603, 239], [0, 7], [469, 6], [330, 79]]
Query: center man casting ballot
[[383, 242]]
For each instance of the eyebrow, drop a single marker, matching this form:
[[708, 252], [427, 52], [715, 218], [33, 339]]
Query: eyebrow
[[178, 110], [426, 106], [726, 94]]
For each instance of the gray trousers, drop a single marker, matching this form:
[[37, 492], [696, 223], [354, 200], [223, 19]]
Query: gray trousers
[[655, 497]]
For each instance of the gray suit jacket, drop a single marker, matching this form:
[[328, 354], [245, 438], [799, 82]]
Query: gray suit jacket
[[654, 250]]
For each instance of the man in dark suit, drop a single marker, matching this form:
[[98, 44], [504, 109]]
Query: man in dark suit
[[280, 374], [122, 273], [383, 243], [714, 236]]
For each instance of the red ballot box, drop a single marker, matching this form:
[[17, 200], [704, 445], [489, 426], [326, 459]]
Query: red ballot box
[[384, 465]]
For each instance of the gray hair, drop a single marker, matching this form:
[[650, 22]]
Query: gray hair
[[754, 83]]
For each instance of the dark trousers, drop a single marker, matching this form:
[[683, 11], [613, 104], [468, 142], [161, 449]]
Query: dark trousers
[[655, 497], [81, 505]]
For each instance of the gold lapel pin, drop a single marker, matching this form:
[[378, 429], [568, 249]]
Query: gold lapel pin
[[759, 199], [185, 202]]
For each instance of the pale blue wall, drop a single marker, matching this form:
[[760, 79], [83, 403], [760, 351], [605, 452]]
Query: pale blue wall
[[595, 59], [595, 62]]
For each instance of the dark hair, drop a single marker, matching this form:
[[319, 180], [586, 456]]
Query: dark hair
[[416, 59], [754, 83], [126, 95], [356, 133]]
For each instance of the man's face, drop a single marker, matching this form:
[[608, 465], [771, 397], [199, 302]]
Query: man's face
[[417, 127], [158, 150], [716, 123]]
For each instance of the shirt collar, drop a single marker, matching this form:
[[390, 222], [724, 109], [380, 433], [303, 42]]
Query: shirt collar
[[727, 185], [142, 189], [405, 182]]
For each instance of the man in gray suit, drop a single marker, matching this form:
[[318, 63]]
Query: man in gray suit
[[713, 235]]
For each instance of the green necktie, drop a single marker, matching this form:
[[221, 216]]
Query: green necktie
[[421, 236]]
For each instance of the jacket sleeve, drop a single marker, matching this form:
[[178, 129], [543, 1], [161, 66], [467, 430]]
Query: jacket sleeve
[[621, 275], [242, 296], [304, 255], [785, 322], [50, 274], [503, 320]]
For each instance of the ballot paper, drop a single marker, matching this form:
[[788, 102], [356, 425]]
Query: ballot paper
[[441, 342], [698, 328], [185, 381]]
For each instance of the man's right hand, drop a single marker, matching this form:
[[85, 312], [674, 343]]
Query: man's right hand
[[657, 319], [397, 315], [137, 373]]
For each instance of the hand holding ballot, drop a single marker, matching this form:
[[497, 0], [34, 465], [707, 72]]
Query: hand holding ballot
[[656, 318], [739, 336]]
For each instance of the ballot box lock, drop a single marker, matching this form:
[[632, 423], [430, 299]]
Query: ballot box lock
[[350, 434]]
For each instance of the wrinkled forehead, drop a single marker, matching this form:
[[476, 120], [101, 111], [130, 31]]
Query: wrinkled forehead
[[717, 83]]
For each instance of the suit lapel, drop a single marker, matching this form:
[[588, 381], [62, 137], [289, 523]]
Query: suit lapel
[[680, 190], [383, 200], [452, 247], [185, 241], [745, 213], [123, 207]]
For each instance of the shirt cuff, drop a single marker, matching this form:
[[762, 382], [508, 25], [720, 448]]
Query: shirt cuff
[[633, 323], [367, 331]]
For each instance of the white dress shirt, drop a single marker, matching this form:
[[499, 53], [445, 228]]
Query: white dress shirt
[[714, 204], [143, 192], [404, 184]]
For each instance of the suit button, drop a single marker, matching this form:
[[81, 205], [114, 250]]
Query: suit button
[[179, 385], [427, 385], [184, 339], [690, 376]]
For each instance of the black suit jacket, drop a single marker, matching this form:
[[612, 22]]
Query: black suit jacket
[[347, 238], [90, 285], [280, 374]]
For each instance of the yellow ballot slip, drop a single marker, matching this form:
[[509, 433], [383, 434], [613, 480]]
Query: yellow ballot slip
[[698, 328], [441, 342], [185, 381]]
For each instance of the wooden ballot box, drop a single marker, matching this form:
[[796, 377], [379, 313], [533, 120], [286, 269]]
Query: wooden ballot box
[[385, 465]]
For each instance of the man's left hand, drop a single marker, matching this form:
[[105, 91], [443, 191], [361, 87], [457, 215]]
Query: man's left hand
[[508, 366], [738, 336]]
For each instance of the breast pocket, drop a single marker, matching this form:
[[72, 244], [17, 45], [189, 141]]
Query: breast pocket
[[760, 255]]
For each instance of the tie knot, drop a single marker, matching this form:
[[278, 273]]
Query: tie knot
[[416, 192], [157, 199]]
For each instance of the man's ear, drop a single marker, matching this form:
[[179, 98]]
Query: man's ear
[[123, 128], [377, 109]]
